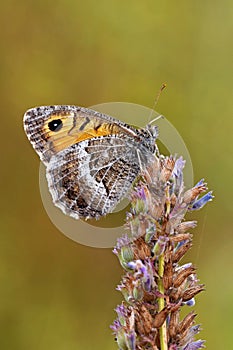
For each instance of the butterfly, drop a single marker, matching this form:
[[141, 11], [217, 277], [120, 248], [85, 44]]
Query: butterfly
[[91, 159]]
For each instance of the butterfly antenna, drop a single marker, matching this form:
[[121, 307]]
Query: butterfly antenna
[[163, 86], [156, 118]]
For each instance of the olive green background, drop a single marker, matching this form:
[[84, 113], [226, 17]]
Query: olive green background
[[57, 294]]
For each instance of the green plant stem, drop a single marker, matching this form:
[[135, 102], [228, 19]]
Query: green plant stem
[[161, 302]]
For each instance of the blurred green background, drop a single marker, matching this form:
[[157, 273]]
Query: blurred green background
[[55, 293]]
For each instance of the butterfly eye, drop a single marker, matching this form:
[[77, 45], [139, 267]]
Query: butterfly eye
[[55, 125]]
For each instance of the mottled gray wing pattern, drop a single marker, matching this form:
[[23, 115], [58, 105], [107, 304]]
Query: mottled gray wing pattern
[[89, 178]]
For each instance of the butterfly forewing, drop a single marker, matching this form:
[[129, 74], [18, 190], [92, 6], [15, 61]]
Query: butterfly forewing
[[91, 159]]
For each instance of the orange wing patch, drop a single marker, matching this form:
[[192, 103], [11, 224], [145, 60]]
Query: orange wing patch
[[75, 128]]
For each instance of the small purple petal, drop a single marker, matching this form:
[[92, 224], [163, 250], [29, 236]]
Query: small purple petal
[[132, 265], [178, 176], [121, 311], [185, 266], [131, 339], [120, 287], [195, 329], [149, 276], [116, 326], [200, 183], [198, 204], [115, 251], [180, 244], [190, 302], [146, 277], [141, 193], [179, 165], [147, 285], [143, 270], [121, 242], [199, 344]]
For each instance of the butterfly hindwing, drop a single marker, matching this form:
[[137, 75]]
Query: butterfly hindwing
[[89, 178]]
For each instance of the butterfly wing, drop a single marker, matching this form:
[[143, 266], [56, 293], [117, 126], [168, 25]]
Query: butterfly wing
[[51, 129], [91, 158], [89, 178]]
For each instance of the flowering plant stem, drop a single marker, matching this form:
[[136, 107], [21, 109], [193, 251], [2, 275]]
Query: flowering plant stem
[[155, 285], [161, 303]]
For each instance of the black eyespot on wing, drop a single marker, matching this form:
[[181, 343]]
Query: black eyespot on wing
[[55, 125]]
